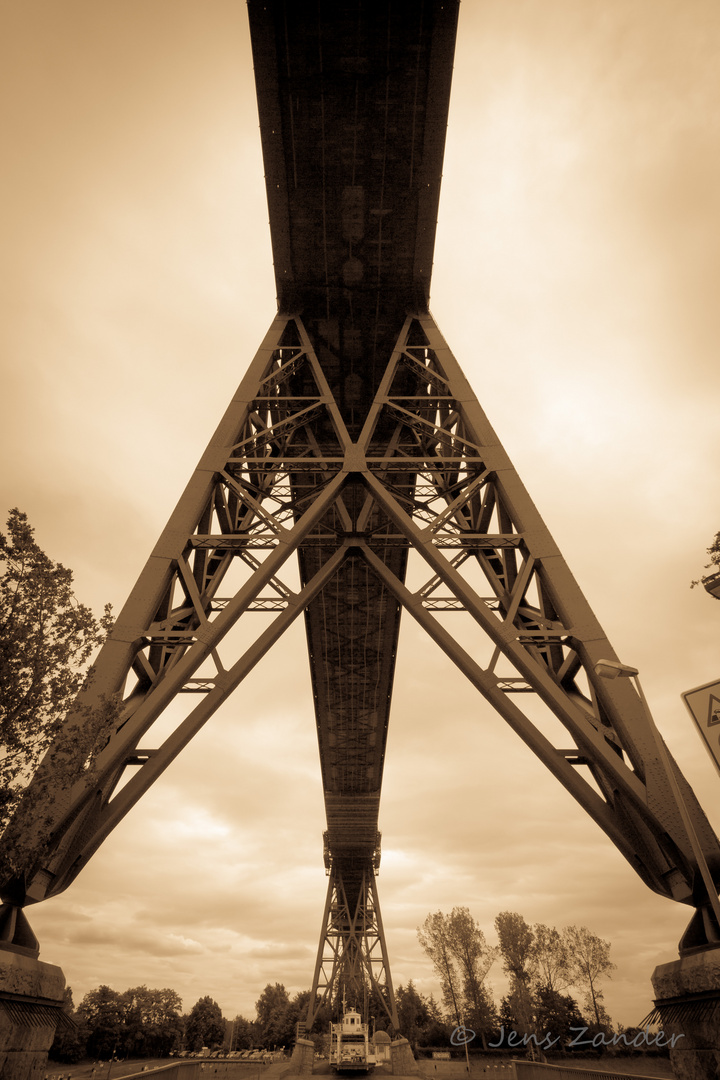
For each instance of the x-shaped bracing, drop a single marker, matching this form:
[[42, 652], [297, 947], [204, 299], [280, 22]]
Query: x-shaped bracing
[[426, 474]]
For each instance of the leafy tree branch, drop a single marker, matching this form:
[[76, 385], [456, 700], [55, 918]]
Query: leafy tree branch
[[47, 638]]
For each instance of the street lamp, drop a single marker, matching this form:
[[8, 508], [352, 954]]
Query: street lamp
[[711, 584], [613, 669], [610, 669]]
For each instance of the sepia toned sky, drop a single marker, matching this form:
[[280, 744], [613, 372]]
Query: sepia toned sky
[[576, 275]]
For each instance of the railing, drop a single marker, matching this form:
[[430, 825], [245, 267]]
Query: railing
[[438, 1069], [484, 1068], [177, 1070], [537, 1070], [202, 1069]]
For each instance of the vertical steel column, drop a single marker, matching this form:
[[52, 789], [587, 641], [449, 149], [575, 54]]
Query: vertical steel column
[[352, 955]]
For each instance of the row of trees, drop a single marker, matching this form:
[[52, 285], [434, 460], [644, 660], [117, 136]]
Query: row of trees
[[149, 1023], [136, 1023], [540, 961]]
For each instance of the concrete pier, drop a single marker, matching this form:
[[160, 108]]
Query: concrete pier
[[302, 1060], [687, 995], [31, 1000], [401, 1057]]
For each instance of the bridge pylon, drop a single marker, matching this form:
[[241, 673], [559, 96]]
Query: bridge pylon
[[352, 962]]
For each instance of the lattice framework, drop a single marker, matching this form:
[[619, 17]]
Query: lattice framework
[[426, 473]]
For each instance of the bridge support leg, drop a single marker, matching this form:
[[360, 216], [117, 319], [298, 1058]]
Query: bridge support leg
[[401, 1058], [303, 1057], [687, 999], [352, 957], [31, 1000]]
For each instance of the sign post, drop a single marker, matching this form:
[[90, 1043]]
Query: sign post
[[703, 704]]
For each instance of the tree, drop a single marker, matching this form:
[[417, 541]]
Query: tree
[[438, 1031], [519, 961], [205, 1025], [551, 959], [103, 1014], [420, 1018], [557, 1013], [69, 1043], [590, 961], [153, 1021], [46, 640], [435, 939], [514, 1011], [243, 1036], [413, 1012], [275, 1019], [412, 1008], [474, 959], [298, 1014]]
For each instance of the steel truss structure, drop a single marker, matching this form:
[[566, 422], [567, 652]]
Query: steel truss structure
[[352, 956], [426, 473], [354, 440]]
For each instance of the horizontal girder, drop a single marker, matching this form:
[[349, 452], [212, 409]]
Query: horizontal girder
[[353, 100]]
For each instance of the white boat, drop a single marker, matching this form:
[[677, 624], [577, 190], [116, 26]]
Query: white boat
[[350, 1049]]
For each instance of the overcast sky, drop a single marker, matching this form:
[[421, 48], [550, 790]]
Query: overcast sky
[[576, 276]]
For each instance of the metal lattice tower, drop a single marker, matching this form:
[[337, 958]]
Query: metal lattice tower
[[353, 439]]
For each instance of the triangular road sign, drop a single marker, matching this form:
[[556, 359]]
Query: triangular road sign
[[713, 711], [703, 704]]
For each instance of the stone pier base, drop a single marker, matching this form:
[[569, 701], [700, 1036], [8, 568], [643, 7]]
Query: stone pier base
[[687, 993], [303, 1057], [31, 999], [401, 1058]]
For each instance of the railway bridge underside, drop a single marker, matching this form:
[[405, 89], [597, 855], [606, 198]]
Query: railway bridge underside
[[353, 440]]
